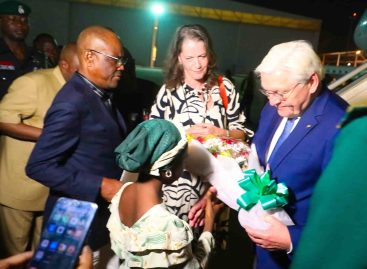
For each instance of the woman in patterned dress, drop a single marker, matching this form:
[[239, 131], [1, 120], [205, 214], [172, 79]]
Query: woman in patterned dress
[[191, 96]]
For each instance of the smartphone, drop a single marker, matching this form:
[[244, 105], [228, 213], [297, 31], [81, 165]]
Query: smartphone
[[63, 235]]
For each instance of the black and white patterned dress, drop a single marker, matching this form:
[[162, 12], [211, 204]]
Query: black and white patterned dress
[[184, 105]]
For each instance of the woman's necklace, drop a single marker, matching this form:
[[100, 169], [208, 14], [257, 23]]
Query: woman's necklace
[[203, 94]]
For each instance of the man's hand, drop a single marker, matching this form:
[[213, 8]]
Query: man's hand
[[20, 131], [109, 188], [276, 237], [20, 260], [16, 261]]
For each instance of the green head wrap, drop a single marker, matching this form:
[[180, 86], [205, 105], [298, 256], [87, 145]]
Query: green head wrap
[[153, 144]]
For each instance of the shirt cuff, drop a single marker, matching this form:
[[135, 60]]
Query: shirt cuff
[[290, 249]]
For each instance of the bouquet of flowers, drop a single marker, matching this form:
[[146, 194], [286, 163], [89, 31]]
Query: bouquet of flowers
[[225, 146], [221, 162]]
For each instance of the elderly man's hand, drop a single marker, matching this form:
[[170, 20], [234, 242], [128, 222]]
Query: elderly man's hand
[[276, 237]]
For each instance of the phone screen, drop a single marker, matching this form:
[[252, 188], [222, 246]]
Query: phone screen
[[63, 235]]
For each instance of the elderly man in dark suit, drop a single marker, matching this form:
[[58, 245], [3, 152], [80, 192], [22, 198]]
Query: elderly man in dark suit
[[294, 140], [74, 155]]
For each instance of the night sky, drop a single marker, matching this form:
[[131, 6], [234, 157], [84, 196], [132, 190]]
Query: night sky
[[338, 22]]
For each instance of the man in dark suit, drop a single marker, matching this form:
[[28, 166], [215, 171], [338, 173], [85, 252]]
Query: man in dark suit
[[300, 107], [74, 155]]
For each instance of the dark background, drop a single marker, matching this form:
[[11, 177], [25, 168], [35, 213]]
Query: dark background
[[338, 22]]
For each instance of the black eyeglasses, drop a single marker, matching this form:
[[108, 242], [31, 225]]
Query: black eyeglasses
[[119, 60]]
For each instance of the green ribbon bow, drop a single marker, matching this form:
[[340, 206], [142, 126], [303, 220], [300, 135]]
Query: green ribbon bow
[[261, 188]]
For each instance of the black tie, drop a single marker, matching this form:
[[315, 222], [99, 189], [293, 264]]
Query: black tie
[[107, 101]]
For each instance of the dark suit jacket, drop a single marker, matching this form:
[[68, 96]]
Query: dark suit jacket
[[76, 149], [299, 161]]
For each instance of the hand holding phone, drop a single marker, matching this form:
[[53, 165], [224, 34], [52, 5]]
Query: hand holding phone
[[16, 261], [63, 235], [86, 258]]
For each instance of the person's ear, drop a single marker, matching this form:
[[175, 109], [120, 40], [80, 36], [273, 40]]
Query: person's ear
[[179, 58], [314, 83], [89, 58], [64, 65]]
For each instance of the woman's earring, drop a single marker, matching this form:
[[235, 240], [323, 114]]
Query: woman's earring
[[168, 173]]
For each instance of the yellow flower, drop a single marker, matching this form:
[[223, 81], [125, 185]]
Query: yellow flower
[[210, 136], [226, 153]]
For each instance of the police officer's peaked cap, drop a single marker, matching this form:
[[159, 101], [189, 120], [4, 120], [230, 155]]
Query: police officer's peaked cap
[[12, 7]]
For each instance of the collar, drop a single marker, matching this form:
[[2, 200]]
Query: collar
[[103, 94]]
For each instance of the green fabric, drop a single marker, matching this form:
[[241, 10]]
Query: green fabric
[[11, 7], [146, 143], [353, 113], [263, 189], [336, 232]]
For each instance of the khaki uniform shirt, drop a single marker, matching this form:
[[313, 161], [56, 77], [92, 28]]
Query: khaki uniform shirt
[[27, 101]]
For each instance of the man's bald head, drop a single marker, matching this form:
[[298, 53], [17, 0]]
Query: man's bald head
[[68, 61], [95, 37], [98, 50], [68, 51]]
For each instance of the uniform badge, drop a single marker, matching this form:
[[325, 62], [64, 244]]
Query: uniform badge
[[21, 10]]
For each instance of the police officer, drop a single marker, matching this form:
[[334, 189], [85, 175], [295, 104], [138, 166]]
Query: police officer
[[16, 58]]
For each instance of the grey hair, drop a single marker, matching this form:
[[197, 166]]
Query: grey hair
[[295, 57]]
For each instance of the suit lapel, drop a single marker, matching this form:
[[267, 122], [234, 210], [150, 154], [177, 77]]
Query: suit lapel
[[304, 126]]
